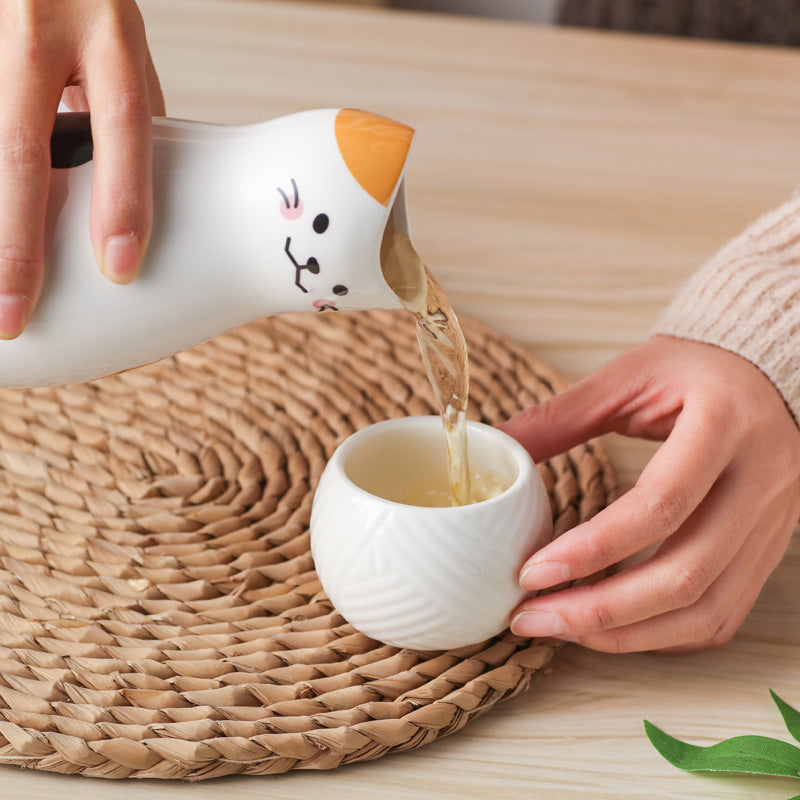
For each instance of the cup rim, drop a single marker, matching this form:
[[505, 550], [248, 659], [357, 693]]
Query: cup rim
[[522, 460]]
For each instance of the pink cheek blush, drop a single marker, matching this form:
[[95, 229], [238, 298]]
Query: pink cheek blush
[[292, 212]]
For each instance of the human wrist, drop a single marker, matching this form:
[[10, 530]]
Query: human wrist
[[746, 299]]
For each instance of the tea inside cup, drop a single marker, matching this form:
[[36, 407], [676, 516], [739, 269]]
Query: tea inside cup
[[407, 463], [420, 574]]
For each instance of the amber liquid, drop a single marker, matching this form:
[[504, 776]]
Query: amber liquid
[[442, 347], [483, 486]]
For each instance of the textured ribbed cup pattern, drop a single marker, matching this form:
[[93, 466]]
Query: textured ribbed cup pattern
[[160, 616], [425, 578]]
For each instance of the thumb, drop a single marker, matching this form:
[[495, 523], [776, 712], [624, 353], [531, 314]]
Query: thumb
[[596, 405]]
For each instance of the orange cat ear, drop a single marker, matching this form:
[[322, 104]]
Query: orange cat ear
[[374, 148]]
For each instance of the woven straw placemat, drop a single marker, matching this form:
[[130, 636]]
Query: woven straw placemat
[[160, 616]]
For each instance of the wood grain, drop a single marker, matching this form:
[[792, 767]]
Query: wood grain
[[562, 185]]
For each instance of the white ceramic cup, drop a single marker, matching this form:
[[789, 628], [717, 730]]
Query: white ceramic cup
[[420, 577]]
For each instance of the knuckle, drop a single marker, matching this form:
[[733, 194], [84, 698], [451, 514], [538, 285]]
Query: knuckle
[[129, 108], [127, 215], [689, 584], [598, 617], [30, 54], [20, 271], [31, 41], [132, 105], [712, 413], [594, 552], [30, 50], [664, 512], [17, 264], [722, 637], [737, 414], [20, 147], [744, 418], [589, 611], [708, 624]]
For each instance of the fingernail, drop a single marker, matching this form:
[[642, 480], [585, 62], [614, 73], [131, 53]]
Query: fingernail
[[544, 575], [13, 315], [121, 257], [538, 623]]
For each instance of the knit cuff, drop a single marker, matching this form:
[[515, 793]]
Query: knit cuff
[[747, 300]]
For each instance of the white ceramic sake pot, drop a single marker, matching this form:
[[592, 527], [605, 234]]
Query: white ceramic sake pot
[[252, 220], [418, 577]]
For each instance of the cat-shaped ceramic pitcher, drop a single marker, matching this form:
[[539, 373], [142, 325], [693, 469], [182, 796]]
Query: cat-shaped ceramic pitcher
[[281, 216]]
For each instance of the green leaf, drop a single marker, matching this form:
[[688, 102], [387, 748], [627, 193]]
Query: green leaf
[[791, 716], [749, 754]]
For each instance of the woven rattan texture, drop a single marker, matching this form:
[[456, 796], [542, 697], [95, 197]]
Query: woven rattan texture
[[160, 616]]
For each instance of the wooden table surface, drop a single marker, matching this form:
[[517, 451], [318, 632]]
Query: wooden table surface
[[562, 185]]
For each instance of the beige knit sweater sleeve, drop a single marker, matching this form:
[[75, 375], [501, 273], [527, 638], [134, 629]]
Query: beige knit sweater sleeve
[[747, 300]]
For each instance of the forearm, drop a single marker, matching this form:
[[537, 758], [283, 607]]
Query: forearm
[[746, 299]]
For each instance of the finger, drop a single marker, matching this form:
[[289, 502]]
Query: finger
[[677, 576], [669, 489], [155, 94], [589, 408], [768, 556], [118, 94], [715, 618], [639, 393], [30, 93]]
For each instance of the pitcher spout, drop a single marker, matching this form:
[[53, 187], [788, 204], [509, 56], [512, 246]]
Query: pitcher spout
[[375, 150], [401, 266]]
